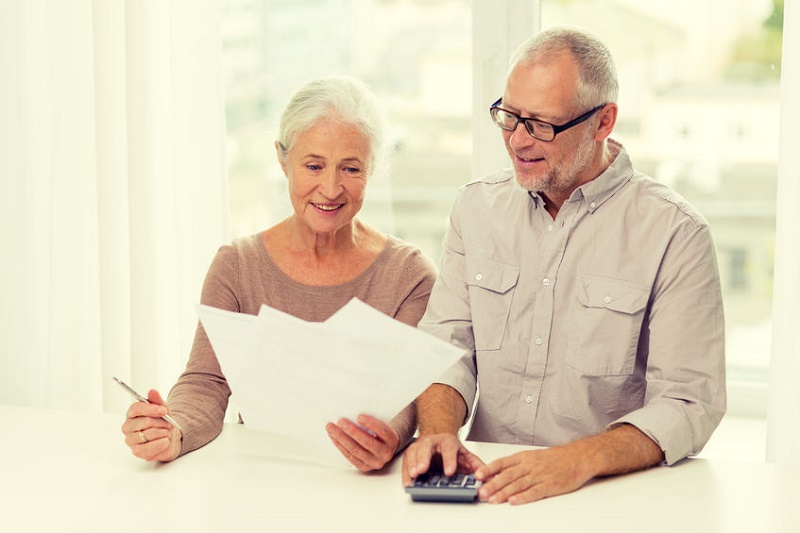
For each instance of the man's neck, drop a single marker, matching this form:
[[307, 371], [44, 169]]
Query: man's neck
[[553, 200]]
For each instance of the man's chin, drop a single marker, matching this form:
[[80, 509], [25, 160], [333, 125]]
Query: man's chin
[[529, 183]]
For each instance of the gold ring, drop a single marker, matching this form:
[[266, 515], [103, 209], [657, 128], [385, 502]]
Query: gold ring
[[142, 437]]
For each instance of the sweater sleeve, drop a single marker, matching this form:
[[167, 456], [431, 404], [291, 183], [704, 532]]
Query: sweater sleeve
[[199, 399], [419, 274]]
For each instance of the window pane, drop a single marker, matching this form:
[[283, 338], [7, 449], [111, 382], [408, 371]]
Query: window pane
[[411, 52], [699, 110]]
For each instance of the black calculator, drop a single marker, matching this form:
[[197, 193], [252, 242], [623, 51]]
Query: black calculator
[[432, 487]]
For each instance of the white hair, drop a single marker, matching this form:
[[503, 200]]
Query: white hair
[[597, 74], [341, 98]]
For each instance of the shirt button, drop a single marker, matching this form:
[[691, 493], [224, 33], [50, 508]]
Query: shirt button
[[546, 281], [539, 341], [607, 299], [479, 277], [528, 399], [550, 227], [593, 205]]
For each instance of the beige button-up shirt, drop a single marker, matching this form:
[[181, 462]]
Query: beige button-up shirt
[[611, 313]]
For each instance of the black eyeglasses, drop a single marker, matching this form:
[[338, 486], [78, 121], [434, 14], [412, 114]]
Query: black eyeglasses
[[544, 131]]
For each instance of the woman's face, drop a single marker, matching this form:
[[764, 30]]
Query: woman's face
[[327, 172]]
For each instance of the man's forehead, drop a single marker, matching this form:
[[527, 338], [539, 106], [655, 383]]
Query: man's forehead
[[541, 88]]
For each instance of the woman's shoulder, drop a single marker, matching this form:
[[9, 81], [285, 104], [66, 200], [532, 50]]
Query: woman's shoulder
[[407, 256], [240, 252], [249, 244]]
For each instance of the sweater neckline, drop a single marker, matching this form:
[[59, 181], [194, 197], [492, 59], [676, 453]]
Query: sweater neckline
[[288, 281]]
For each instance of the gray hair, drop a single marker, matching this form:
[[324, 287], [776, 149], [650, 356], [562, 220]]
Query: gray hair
[[597, 74], [341, 98]]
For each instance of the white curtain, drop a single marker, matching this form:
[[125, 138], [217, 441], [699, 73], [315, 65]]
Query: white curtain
[[783, 419], [113, 193]]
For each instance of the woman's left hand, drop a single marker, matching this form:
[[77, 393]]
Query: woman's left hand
[[369, 445]]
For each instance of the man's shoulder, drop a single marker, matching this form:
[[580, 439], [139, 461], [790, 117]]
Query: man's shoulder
[[497, 184], [501, 178], [660, 195], [498, 190]]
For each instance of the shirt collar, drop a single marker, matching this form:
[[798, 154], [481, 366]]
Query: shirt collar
[[603, 187]]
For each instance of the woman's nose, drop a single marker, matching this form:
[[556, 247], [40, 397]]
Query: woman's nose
[[331, 184]]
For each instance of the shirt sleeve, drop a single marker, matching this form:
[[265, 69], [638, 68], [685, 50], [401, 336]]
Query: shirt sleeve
[[685, 373], [448, 315]]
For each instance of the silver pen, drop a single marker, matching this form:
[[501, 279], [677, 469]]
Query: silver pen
[[141, 398]]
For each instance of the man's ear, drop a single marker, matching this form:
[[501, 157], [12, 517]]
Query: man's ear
[[281, 157], [608, 118]]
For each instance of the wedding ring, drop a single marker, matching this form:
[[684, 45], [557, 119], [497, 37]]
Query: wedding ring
[[142, 437]]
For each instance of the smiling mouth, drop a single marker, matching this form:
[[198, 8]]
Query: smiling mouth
[[530, 160], [327, 207]]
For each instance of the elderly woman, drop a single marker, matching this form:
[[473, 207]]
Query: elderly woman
[[309, 265]]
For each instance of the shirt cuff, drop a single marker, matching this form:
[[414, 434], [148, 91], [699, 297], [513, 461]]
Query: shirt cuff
[[666, 426], [460, 377]]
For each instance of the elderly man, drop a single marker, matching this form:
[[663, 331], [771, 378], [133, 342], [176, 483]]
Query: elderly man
[[585, 294]]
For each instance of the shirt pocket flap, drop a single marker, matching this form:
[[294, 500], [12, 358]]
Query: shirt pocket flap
[[491, 275], [613, 294]]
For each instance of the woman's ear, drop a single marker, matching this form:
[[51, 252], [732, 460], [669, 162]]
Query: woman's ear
[[281, 157]]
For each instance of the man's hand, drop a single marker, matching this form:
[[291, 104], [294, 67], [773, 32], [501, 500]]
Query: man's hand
[[455, 457], [532, 475]]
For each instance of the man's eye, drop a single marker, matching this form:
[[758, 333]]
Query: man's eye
[[540, 126], [313, 167], [352, 170]]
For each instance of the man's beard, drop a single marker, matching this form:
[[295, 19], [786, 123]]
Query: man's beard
[[563, 175]]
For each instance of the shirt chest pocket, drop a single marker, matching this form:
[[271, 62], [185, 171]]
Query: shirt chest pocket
[[606, 328], [491, 290]]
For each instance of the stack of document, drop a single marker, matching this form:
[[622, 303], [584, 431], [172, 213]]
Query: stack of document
[[291, 377]]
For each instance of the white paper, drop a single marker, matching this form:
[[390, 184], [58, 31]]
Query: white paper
[[291, 377]]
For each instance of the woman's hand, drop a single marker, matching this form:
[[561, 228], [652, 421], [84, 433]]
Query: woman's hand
[[148, 435], [368, 445]]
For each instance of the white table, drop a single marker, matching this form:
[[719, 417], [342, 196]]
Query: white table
[[71, 472]]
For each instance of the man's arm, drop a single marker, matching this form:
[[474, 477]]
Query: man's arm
[[532, 475], [441, 411], [686, 395], [620, 450]]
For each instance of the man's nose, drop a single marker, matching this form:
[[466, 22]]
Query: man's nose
[[520, 138]]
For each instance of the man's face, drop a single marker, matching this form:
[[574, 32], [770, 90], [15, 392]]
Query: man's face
[[546, 91]]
